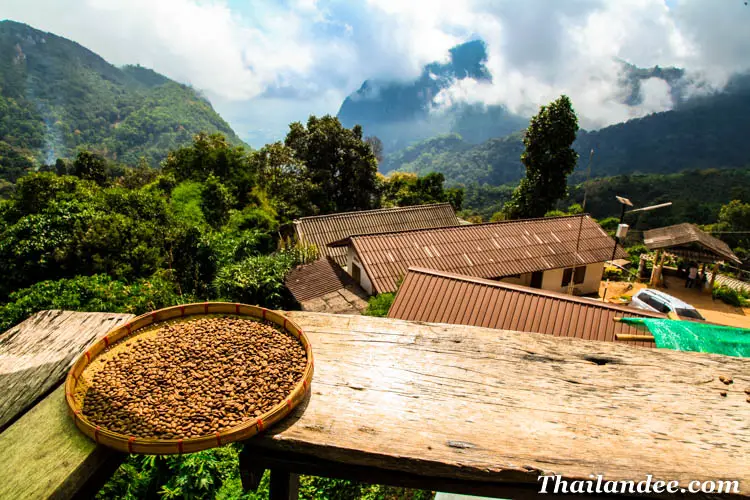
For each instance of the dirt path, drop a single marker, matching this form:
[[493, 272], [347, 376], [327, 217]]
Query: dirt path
[[714, 311]]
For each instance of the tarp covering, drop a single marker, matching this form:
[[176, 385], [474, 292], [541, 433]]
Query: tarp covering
[[694, 336]]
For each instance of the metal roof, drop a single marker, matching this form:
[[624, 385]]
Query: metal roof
[[684, 238], [317, 279], [324, 229], [439, 297], [484, 250]]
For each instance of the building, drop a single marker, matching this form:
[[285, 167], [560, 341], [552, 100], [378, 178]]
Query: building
[[324, 285], [688, 242], [321, 230], [540, 253], [439, 297]]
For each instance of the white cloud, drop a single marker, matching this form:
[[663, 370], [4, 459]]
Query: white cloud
[[295, 57]]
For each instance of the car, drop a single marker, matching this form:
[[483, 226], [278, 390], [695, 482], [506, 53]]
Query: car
[[654, 300]]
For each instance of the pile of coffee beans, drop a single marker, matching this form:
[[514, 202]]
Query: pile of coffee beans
[[193, 378]]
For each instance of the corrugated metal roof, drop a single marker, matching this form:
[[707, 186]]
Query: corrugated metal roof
[[319, 278], [439, 297], [484, 250], [683, 236], [324, 229]]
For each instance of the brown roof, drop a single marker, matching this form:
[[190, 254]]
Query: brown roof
[[685, 237], [319, 278], [439, 297], [484, 250], [324, 229]]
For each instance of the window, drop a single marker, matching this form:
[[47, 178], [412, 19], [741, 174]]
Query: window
[[579, 277], [689, 313], [356, 273], [654, 302]]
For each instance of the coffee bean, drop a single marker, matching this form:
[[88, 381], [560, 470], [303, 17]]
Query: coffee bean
[[194, 378]]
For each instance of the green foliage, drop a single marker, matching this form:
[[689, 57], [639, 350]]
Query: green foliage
[[379, 305], [186, 203], [216, 202], [493, 162], [340, 165], [401, 189], [57, 97], [731, 296], [548, 158], [90, 166], [256, 280], [89, 293], [614, 274]]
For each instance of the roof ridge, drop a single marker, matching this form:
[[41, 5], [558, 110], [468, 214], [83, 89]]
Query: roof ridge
[[372, 210], [526, 289], [482, 224]]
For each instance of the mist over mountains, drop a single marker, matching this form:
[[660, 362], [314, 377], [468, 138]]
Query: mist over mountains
[[402, 113]]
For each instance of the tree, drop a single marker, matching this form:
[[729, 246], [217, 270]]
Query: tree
[[90, 166], [548, 158], [402, 189], [377, 147], [341, 166], [734, 221]]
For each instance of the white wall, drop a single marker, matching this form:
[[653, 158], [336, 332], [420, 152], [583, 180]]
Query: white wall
[[353, 259], [552, 280]]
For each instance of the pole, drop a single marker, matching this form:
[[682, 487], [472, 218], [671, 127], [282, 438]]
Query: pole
[[617, 240]]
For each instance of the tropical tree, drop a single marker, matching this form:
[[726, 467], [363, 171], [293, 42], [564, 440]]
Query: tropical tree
[[548, 158], [341, 166]]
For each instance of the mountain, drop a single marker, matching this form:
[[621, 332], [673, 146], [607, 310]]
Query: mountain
[[403, 113], [702, 132], [57, 96]]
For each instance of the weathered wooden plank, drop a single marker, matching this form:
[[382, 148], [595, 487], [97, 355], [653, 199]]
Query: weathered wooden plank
[[35, 355], [44, 455], [488, 405]]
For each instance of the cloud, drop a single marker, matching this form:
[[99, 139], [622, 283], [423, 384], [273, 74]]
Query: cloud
[[266, 63]]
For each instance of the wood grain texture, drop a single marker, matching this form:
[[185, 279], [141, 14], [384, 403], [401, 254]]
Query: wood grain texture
[[44, 455], [491, 405], [36, 355]]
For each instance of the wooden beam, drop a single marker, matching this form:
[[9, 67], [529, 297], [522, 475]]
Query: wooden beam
[[640, 338], [36, 355], [489, 405], [45, 455]]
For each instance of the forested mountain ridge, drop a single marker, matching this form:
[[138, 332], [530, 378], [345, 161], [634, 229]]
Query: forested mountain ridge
[[703, 132], [57, 96]]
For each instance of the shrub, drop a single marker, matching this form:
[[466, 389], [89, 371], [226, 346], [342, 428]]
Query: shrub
[[614, 274], [379, 305], [256, 280], [731, 296], [98, 293]]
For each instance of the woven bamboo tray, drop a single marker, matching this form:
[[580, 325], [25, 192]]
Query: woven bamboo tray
[[152, 446]]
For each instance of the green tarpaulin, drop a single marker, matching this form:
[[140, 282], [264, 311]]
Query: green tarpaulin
[[694, 336]]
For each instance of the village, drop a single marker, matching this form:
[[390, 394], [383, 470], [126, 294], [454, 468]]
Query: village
[[490, 289], [436, 263]]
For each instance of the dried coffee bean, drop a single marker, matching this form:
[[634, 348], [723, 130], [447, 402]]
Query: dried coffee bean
[[194, 378]]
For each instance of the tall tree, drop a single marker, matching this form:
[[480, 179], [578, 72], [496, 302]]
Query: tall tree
[[341, 166], [377, 147], [548, 158], [90, 166]]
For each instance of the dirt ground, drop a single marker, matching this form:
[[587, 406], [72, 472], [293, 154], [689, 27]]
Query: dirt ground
[[714, 311]]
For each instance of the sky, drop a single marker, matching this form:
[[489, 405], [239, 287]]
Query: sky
[[264, 64]]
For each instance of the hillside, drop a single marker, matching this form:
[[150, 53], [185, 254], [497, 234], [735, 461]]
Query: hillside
[[57, 96], [705, 132]]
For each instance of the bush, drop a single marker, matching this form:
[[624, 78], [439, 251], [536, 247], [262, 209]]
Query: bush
[[98, 293], [731, 296], [256, 280], [614, 274], [379, 305]]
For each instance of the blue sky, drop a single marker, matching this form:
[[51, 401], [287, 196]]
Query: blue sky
[[264, 64]]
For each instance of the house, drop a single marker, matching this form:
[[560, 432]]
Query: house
[[321, 230], [324, 286], [541, 253], [439, 297]]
